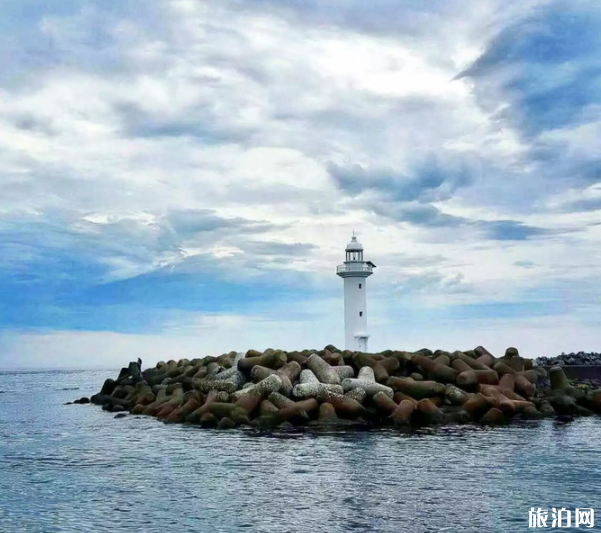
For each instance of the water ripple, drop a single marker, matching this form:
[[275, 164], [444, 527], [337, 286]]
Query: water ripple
[[76, 468]]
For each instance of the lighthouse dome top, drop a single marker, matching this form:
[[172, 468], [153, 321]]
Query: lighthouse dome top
[[354, 244]]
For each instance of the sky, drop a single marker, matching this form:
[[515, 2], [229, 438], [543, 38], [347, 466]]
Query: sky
[[179, 178]]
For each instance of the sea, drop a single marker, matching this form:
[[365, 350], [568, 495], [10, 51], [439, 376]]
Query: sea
[[76, 468]]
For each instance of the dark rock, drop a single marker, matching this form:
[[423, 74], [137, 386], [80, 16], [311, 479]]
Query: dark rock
[[226, 423], [208, 420], [571, 359], [493, 417], [108, 387], [427, 413]]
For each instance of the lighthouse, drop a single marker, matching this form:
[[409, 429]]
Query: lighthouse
[[355, 272]]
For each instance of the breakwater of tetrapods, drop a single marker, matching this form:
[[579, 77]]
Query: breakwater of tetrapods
[[341, 388]]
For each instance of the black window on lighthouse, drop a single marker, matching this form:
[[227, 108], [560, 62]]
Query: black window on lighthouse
[[359, 285], [360, 313]]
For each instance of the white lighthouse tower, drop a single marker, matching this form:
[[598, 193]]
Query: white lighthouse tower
[[355, 272]]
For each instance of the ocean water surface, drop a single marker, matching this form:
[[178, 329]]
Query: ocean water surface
[[75, 468]]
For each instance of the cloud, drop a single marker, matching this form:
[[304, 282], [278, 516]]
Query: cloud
[[164, 164], [510, 230], [429, 181], [587, 204], [190, 222], [427, 216], [545, 65], [431, 218], [128, 274], [278, 248]]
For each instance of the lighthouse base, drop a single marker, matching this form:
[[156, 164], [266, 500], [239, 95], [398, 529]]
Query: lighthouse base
[[361, 342]]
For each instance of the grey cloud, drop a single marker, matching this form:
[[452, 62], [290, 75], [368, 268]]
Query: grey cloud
[[38, 38], [427, 216], [413, 261], [190, 222], [278, 248], [577, 206], [430, 217], [430, 282], [67, 232], [30, 122], [129, 243], [545, 65], [199, 121], [510, 230], [279, 194], [378, 17], [525, 264], [431, 180]]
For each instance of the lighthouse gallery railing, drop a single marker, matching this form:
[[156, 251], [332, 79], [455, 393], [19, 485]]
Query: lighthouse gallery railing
[[354, 268]]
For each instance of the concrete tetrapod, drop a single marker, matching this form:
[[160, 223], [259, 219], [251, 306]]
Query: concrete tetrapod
[[195, 416], [179, 414], [468, 380], [280, 401], [477, 405], [383, 369], [487, 377], [370, 387], [344, 371], [403, 414], [322, 370], [523, 386], [259, 373], [416, 389], [500, 401], [433, 370], [271, 360], [366, 373], [593, 401], [459, 365], [297, 409], [327, 414], [208, 420], [347, 407], [266, 386], [493, 417], [357, 394], [226, 423], [267, 408], [507, 381], [455, 395], [384, 404], [484, 356], [558, 378], [443, 359], [307, 376], [230, 384], [428, 413], [319, 391], [471, 362]]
